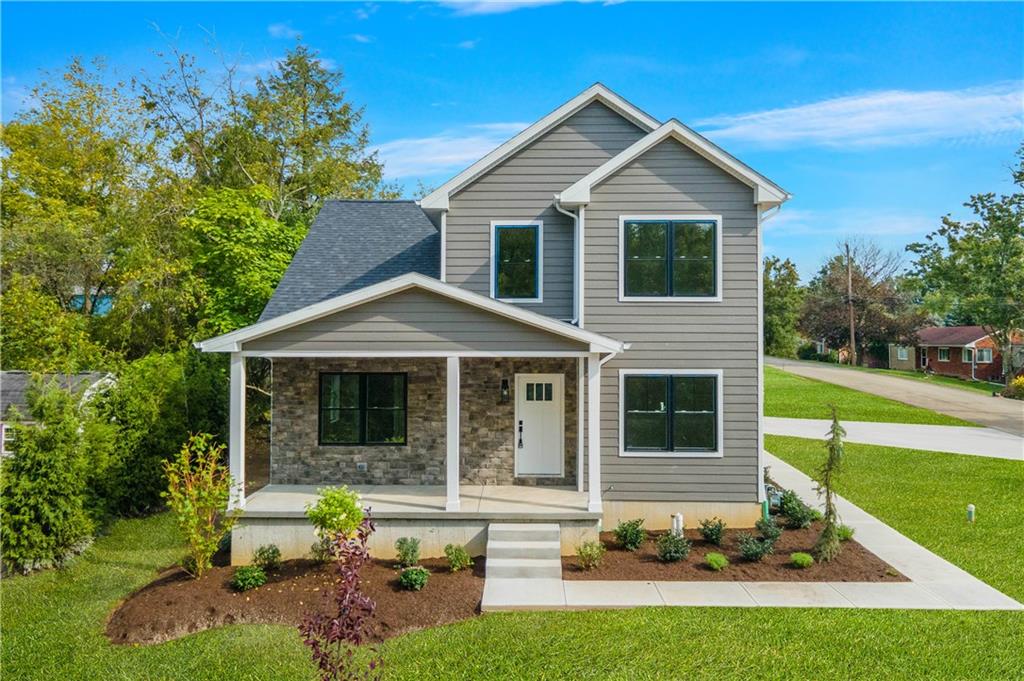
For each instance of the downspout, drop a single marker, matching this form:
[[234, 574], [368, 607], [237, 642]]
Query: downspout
[[577, 311]]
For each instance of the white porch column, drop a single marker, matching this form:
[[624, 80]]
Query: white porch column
[[594, 432], [236, 432], [452, 436]]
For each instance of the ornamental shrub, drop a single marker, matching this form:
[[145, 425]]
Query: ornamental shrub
[[845, 532], [590, 554], [198, 489], [458, 557], [716, 561], [337, 511], [413, 578], [801, 560], [631, 534], [408, 549], [798, 514], [754, 549], [248, 577], [768, 529], [1015, 389], [712, 529], [672, 548], [267, 557]]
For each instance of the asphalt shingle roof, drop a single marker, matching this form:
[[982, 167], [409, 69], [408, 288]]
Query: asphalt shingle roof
[[14, 386], [950, 335], [353, 244]]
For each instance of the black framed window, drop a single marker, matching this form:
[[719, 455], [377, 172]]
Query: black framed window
[[669, 258], [670, 413], [363, 409], [517, 262]]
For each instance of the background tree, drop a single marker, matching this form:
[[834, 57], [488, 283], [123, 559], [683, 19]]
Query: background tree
[[975, 269], [782, 299], [883, 300]]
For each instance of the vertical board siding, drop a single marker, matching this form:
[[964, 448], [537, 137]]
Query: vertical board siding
[[522, 188], [668, 179]]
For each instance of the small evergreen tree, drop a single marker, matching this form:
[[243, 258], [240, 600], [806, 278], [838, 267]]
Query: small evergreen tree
[[829, 544]]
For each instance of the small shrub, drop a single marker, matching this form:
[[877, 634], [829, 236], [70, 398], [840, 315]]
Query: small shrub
[[267, 557], [716, 561], [337, 511], [845, 532], [801, 560], [631, 534], [768, 529], [413, 578], [590, 554], [248, 577], [712, 529], [408, 549], [753, 548], [458, 557], [815, 514], [798, 514], [672, 547], [1015, 389], [322, 551]]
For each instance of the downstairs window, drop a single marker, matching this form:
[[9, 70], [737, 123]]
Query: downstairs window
[[362, 409], [670, 413]]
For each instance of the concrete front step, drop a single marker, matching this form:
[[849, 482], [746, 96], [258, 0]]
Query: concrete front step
[[524, 532], [524, 568], [524, 549]]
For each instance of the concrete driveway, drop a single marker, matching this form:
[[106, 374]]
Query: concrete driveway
[[994, 412]]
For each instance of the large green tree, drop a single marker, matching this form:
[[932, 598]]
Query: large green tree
[[782, 299], [975, 269]]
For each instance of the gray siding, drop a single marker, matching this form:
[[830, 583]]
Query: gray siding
[[523, 188], [413, 320], [669, 179]]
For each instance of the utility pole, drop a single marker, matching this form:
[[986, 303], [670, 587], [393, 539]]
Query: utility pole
[[849, 305]]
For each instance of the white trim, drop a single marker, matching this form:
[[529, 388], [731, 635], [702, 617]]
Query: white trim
[[938, 354], [717, 298], [582, 212], [963, 354], [923, 356], [579, 424], [232, 342], [761, 496], [415, 353], [439, 198], [452, 476], [720, 403], [978, 360], [558, 379], [444, 246], [594, 433], [766, 192], [236, 432], [539, 224], [906, 353]]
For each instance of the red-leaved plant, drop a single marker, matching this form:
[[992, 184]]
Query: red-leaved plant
[[333, 638]]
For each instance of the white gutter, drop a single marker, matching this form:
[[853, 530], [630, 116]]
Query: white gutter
[[577, 303]]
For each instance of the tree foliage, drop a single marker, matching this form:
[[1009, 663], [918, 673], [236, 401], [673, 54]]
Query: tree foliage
[[975, 269], [782, 299]]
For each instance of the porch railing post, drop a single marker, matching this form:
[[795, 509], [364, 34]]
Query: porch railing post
[[594, 432], [236, 431], [452, 436]]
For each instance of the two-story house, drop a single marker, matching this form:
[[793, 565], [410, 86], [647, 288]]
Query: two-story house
[[567, 331]]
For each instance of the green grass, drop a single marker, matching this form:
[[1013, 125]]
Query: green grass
[[925, 496], [787, 394], [935, 379]]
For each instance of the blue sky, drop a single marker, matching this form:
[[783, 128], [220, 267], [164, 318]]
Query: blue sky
[[878, 118]]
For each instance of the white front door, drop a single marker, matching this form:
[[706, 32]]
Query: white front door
[[539, 432]]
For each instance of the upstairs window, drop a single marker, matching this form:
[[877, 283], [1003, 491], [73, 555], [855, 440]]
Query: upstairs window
[[517, 261], [670, 258], [362, 409], [674, 413]]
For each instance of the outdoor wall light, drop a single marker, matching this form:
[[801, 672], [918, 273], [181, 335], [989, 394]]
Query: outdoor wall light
[[505, 393]]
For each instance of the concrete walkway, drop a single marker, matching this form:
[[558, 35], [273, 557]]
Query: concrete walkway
[[936, 584], [953, 439], [994, 412]]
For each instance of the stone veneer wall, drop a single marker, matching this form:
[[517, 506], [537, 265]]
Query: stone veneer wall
[[487, 425]]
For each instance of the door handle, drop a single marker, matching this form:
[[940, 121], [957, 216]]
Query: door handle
[[520, 433]]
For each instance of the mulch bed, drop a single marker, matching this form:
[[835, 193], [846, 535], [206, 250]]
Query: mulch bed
[[176, 605], [854, 564]]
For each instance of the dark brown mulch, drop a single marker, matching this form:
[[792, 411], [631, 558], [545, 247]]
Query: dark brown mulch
[[176, 605], [854, 564]]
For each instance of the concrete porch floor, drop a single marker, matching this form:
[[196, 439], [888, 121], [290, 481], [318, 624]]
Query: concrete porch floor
[[504, 502]]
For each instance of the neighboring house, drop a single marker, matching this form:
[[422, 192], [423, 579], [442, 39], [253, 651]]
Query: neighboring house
[[14, 389], [902, 357], [567, 331], [966, 352]]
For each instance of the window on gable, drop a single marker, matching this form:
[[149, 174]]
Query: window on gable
[[677, 413], [517, 261], [669, 258], [362, 409]]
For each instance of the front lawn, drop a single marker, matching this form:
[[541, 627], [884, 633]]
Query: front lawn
[[793, 396], [935, 379]]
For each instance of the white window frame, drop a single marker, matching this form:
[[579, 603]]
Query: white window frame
[[902, 353], [977, 355], [718, 453], [513, 222], [717, 298], [6, 436], [924, 357], [939, 354], [967, 355]]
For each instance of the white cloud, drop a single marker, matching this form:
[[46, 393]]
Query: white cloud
[[450, 150], [366, 11], [361, 38], [467, 44], [16, 98], [882, 118], [848, 222], [465, 8], [283, 30]]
